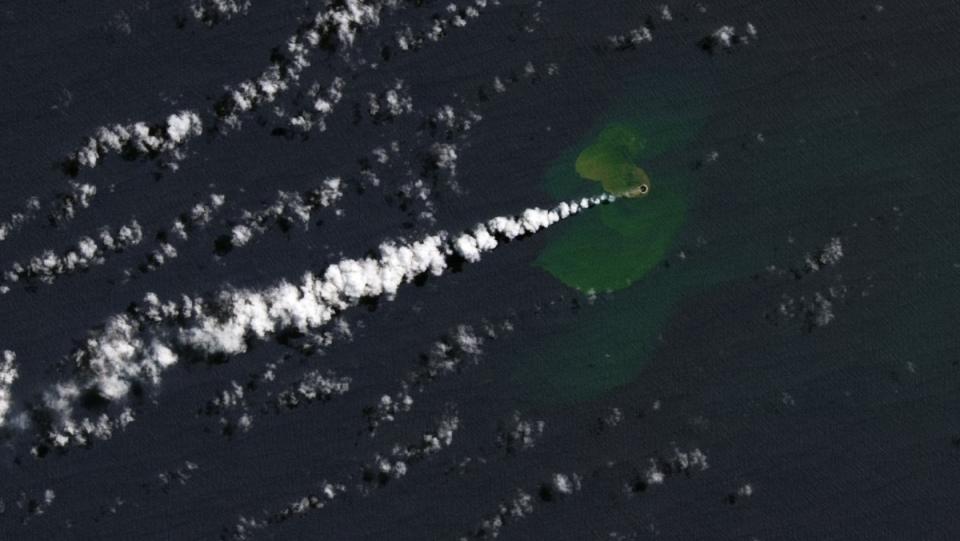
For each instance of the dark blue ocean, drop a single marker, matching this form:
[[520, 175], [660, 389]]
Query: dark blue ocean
[[788, 370]]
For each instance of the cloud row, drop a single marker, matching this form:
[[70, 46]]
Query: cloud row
[[62, 209], [199, 216], [89, 251], [383, 468], [335, 26], [211, 12], [287, 208]]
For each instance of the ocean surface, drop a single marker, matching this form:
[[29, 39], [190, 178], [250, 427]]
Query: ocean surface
[[763, 347]]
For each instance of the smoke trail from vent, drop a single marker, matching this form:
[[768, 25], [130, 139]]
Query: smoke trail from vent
[[136, 347]]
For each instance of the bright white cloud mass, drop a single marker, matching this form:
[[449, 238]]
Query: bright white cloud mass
[[137, 347]]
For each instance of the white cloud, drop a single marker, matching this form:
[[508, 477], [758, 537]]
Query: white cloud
[[65, 208], [519, 434], [139, 138], [314, 385], [440, 24], [832, 252], [631, 39], [390, 103], [565, 484], [665, 13], [210, 12], [48, 265], [292, 206], [343, 20], [323, 105], [8, 374], [725, 35], [17, 219], [337, 24], [445, 156], [199, 216], [240, 235]]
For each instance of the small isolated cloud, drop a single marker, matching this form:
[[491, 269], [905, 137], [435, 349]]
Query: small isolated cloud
[[323, 103], [389, 104], [727, 36], [631, 39], [519, 434]]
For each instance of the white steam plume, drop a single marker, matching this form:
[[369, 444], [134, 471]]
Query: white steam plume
[[138, 346]]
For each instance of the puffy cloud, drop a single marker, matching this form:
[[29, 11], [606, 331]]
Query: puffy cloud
[[211, 12], [665, 13], [724, 35], [383, 467], [17, 219], [65, 207], [48, 265], [240, 235], [831, 253], [727, 36], [322, 106], [198, 216], [8, 374], [137, 139], [454, 17], [631, 39], [389, 104], [336, 26], [565, 484], [288, 207], [519, 434], [341, 20], [445, 156], [314, 385]]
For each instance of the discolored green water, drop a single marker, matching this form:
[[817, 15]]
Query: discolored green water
[[824, 168], [611, 248], [611, 160], [615, 248]]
